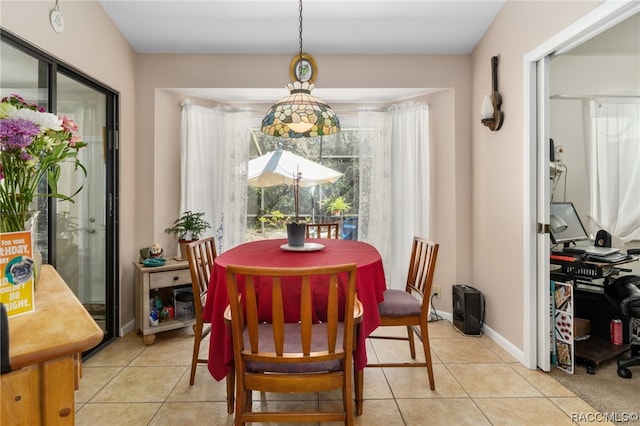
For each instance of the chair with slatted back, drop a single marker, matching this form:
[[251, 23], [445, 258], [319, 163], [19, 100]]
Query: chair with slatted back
[[201, 255], [323, 230], [275, 354], [410, 307]]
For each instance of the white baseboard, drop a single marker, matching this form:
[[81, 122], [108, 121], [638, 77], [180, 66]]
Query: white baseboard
[[128, 328]]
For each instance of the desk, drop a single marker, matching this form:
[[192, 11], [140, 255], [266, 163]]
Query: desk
[[45, 348], [587, 280], [370, 287]]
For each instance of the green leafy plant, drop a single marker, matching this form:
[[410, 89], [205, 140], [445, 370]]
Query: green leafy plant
[[189, 226], [275, 219], [337, 206]]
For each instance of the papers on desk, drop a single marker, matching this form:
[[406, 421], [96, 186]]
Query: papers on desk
[[599, 251]]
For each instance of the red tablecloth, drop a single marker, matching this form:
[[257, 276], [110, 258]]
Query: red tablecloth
[[370, 287]]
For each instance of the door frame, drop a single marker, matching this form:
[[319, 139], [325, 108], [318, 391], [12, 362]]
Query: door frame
[[536, 174], [111, 200]]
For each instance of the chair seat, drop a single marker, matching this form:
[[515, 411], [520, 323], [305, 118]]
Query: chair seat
[[292, 345], [399, 303]]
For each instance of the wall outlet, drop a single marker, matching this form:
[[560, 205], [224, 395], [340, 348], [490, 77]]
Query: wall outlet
[[437, 291]]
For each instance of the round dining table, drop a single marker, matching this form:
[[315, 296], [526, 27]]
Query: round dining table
[[370, 286]]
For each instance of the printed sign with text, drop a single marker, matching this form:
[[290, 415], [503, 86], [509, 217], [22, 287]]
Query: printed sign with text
[[17, 272]]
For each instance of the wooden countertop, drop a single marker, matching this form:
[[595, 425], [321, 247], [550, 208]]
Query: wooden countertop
[[59, 326]]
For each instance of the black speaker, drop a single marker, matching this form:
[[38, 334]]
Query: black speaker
[[468, 309], [603, 239]]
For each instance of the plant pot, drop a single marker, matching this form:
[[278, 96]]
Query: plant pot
[[183, 248], [295, 234]]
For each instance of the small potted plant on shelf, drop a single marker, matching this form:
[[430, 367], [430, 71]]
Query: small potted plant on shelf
[[188, 227]]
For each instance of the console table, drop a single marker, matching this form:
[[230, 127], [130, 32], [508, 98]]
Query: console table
[[161, 281], [45, 348]]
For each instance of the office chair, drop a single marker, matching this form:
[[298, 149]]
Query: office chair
[[624, 294]]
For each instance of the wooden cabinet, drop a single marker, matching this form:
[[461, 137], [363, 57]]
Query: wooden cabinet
[[159, 281], [44, 352]]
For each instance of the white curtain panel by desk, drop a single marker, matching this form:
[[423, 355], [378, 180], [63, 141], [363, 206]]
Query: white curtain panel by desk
[[214, 155], [615, 152], [394, 183]]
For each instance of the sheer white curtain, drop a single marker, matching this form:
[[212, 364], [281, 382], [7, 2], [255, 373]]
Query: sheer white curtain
[[615, 155], [374, 214], [394, 183], [214, 155]]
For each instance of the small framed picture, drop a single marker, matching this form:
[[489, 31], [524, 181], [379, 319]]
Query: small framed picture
[[303, 68]]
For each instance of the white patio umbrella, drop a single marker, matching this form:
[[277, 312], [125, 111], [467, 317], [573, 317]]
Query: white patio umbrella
[[279, 167]]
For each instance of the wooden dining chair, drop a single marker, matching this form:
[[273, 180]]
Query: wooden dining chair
[[201, 255], [410, 307], [323, 230], [272, 355]]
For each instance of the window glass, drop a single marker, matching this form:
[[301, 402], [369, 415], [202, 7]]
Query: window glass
[[269, 208]]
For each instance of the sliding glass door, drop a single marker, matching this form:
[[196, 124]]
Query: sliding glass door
[[78, 238], [81, 225]]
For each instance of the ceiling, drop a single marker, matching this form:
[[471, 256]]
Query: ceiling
[[329, 27], [621, 39]]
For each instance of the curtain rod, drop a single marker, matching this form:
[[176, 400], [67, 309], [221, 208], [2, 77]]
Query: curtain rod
[[579, 97]]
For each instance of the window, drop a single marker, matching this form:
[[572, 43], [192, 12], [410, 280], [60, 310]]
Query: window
[[615, 155], [268, 208]]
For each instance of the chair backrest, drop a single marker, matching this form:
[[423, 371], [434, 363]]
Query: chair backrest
[[422, 266], [323, 230], [283, 344], [201, 255]]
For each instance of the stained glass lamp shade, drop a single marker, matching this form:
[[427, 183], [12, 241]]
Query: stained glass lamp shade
[[300, 115]]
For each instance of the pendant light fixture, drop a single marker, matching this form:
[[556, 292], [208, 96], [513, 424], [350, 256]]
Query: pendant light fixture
[[301, 114]]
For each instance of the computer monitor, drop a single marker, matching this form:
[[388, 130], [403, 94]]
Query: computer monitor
[[566, 226]]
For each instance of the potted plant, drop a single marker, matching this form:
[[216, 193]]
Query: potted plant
[[337, 206], [296, 230], [188, 227]]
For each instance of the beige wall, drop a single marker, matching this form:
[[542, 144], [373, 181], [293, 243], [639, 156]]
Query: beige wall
[[92, 44], [498, 157], [478, 188], [158, 132]]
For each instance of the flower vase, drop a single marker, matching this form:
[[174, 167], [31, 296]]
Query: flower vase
[[296, 233]]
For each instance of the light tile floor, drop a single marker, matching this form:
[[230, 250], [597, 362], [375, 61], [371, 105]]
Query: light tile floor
[[477, 383]]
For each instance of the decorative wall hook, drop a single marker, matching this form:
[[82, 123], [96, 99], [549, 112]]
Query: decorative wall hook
[[492, 117]]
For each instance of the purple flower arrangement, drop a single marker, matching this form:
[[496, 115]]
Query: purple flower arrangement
[[33, 145]]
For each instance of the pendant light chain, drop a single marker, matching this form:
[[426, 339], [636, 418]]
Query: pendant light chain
[[300, 28], [300, 115]]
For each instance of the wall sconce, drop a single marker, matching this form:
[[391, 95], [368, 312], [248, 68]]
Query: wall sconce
[[492, 117]]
